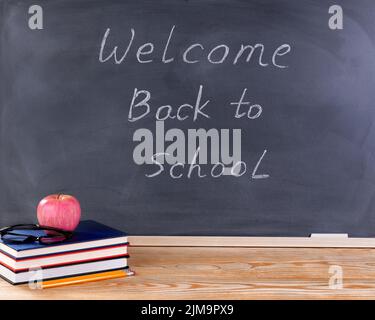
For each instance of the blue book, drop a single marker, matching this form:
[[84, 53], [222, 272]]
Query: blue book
[[88, 235]]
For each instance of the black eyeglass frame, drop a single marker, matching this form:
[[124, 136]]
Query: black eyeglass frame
[[30, 238]]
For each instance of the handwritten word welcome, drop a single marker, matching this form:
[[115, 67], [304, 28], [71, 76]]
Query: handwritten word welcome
[[195, 52]]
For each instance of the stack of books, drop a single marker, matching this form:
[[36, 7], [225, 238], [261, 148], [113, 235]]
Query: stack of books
[[94, 252]]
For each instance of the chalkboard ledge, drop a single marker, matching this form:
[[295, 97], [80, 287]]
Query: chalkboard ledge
[[208, 241]]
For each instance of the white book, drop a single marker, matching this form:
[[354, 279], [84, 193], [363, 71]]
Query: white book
[[65, 258], [34, 275]]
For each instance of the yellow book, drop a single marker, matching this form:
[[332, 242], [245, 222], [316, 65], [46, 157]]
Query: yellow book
[[86, 278]]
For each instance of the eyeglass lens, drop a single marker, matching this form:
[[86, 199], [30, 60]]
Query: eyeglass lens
[[23, 235]]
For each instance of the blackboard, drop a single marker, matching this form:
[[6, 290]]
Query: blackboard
[[305, 129]]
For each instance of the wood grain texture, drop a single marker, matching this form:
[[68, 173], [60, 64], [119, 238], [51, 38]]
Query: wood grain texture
[[225, 273]]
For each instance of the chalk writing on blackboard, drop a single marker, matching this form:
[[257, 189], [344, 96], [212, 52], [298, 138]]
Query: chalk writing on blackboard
[[186, 151], [196, 52]]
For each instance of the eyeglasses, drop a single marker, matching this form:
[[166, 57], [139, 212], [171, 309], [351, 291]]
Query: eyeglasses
[[27, 233]]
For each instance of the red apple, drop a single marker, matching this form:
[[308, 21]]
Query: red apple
[[59, 211]]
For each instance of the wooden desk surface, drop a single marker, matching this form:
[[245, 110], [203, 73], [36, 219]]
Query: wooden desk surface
[[225, 273]]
